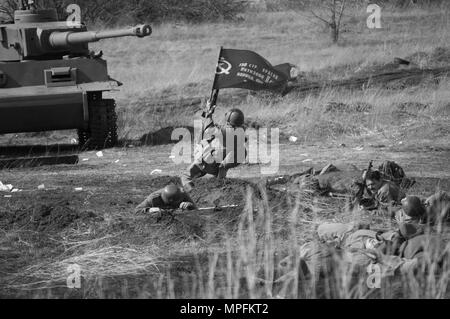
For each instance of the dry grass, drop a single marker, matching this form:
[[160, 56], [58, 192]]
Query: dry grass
[[178, 62], [262, 258], [253, 262]]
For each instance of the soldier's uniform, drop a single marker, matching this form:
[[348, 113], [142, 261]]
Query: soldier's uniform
[[385, 201], [155, 200], [361, 247], [334, 233], [213, 155], [438, 207], [433, 210], [352, 239], [389, 194]]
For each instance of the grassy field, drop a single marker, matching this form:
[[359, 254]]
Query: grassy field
[[251, 251], [178, 61]]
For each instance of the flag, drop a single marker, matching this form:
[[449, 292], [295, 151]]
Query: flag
[[248, 70]]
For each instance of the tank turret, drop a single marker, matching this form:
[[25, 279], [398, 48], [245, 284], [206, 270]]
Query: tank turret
[[36, 34], [50, 80]]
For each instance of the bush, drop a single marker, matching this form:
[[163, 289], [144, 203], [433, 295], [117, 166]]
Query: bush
[[113, 12]]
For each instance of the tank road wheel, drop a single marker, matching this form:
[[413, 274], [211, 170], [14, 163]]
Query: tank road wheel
[[102, 131], [83, 137]]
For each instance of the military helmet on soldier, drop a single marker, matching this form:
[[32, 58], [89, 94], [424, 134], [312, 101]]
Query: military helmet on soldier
[[413, 207], [171, 194], [235, 118]]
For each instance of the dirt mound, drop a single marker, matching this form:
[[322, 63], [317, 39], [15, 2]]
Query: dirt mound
[[210, 191], [213, 220], [162, 136], [438, 57], [46, 217], [213, 191]]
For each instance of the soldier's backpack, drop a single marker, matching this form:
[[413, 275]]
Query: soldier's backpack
[[395, 173]]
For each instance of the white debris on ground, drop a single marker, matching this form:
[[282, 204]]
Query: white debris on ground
[[6, 188], [79, 189], [42, 186], [293, 139], [99, 154], [156, 171]]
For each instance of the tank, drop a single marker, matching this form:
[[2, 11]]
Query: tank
[[50, 80]]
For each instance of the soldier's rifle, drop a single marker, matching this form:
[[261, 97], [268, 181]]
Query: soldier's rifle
[[362, 186]]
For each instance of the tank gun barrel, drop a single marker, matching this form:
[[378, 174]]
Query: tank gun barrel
[[64, 39]]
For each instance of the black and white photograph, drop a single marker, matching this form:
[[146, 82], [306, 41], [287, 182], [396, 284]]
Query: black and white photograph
[[224, 154]]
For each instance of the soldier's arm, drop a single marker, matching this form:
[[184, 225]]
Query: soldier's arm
[[188, 200], [149, 202], [383, 196], [207, 115]]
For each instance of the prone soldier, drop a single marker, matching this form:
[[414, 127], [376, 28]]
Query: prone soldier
[[433, 210], [170, 197]]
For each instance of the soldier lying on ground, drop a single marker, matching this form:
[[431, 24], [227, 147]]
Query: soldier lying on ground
[[353, 235], [321, 258], [218, 150], [402, 251], [170, 197], [423, 248], [321, 182], [337, 182], [433, 210], [360, 236], [381, 194]]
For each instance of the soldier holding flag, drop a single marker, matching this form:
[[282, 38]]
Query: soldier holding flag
[[223, 147]]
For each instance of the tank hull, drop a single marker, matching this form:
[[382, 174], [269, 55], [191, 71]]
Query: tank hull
[[50, 80], [50, 95]]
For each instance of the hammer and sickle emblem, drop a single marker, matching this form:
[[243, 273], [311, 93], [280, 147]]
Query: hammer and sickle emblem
[[223, 67]]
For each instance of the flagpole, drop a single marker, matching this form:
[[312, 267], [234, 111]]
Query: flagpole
[[215, 92]]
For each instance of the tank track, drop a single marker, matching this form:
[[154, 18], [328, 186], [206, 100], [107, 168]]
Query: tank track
[[102, 130]]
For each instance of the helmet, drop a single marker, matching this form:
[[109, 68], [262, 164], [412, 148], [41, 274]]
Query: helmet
[[235, 118], [171, 194], [413, 207]]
